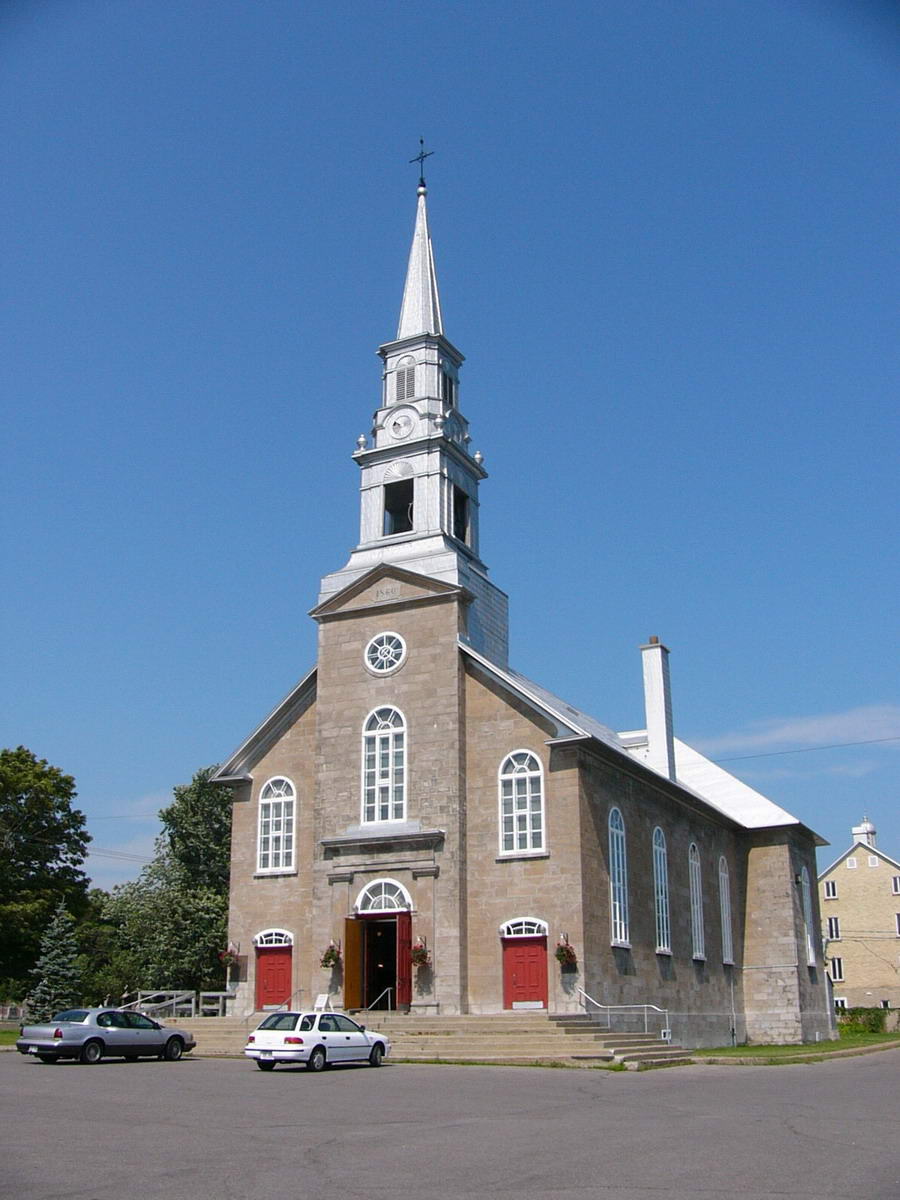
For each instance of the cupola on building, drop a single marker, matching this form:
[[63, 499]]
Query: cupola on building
[[461, 840]]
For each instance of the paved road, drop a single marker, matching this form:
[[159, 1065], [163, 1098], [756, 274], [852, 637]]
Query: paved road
[[216, 1129]]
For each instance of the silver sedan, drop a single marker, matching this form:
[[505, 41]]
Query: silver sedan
[[90, 1034]]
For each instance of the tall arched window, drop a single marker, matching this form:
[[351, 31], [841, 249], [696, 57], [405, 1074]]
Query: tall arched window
[[661, 891], [521, 789], [697, 936], [384, 766], [807, 917], [618, 880], [275, 847], [725, 911]]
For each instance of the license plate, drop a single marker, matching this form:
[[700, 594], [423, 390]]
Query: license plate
[[265, 1054], [32, 1049]]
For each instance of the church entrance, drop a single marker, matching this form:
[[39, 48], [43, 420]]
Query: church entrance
[[377, 960], [524, 972], [273, 976]]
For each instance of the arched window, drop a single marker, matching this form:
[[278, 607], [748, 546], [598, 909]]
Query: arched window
[[697, 935], [725, 910], [275, 847], [273, 937], [384, 766], [524, 927], [807, 917], [661, 891], [618, 880], [521, 787], [405, 379], [383, 895]]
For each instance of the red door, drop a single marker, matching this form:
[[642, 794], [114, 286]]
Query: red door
[[525, 972], [273, 975], [404, 959]]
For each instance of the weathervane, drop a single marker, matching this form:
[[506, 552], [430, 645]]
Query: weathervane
[[420, 159]]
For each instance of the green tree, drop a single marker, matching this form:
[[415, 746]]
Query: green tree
[[172, 921], [55, 974], [42, 847]]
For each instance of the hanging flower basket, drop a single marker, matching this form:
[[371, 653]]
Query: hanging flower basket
[[420, 956], [566, 956], [227, 959], [331, 957]]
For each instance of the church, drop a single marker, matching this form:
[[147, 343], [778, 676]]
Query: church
[[417, 826]]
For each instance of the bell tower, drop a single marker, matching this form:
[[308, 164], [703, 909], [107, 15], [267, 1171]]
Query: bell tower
[[419, 504]]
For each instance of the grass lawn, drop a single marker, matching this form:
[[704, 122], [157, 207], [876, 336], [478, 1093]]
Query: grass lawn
[[846, 1041], [8, 1036]]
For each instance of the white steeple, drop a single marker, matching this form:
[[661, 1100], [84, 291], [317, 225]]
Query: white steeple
[[420, 311], [865, 832], [419, 481]]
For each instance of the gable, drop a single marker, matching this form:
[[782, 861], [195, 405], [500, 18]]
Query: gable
[[279, 721], [860, 848], [384, 586]]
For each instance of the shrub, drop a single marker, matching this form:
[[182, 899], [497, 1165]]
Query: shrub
[[863, 1020]]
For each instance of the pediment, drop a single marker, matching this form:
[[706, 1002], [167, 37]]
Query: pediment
[[385, 586]]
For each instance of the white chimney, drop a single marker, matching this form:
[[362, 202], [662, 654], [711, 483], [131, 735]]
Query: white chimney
[[658, 707], [865, 832]]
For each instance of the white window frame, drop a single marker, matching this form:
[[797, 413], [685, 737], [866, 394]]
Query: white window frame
[[851, 863], [276, 827], [618, 880], [725, 911], [273, 937], [385, 754], [391, 892], [405, 380], [836, 969], [895, 885], [521, 775], [898, 924], [874, 860], [831, 889], [840, 1003], [384, 653], [834, 929], [661, 892], [806, 899], [698, 933], [524, 927]]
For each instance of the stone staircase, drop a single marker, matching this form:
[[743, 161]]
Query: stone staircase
[[511, 1039]]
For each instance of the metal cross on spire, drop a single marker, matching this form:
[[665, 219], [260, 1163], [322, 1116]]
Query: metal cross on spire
[[420, 159]]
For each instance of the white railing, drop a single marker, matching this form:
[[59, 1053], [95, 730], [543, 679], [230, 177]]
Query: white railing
[[628, 1011], [214, 1004], [388, 991], [168, 1003]]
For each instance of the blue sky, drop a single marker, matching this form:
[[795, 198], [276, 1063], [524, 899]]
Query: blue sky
[[666, 238]]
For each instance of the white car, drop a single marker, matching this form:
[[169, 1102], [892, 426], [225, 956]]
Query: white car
[[315, 1038]]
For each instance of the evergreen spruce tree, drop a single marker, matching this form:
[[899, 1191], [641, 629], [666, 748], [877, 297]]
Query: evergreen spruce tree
[[55, 975]]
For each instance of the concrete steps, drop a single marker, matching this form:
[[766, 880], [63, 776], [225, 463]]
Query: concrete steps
[[509, 1038]]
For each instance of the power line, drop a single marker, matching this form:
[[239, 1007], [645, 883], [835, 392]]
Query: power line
[[807, 749]]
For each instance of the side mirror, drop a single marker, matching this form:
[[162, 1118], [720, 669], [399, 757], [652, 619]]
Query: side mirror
[[362, 1026]]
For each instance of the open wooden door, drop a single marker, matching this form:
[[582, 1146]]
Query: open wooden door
[[353, 963], [404, 958]]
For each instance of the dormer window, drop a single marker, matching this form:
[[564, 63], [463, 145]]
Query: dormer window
[[448, 388], [405, 380], [398, 507], [460, 515]]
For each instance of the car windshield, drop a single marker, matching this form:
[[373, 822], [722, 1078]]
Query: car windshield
[[72, 1015]]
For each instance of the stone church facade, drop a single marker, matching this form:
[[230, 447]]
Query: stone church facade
[[452, 838]]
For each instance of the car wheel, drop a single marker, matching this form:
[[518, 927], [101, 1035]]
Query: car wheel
[[48, 1058], [174, 1049], [376, 1055], [91, 1052], [265, 1065], [316, 1060]]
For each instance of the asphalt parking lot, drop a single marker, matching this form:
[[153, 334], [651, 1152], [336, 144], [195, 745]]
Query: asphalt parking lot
[[218, 1129]]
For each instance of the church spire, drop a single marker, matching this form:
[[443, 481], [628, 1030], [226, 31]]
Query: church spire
[[420, 311]]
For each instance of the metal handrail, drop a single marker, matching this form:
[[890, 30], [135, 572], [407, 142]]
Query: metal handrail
[[387, 992], [608, 1009], [169, 1000]]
